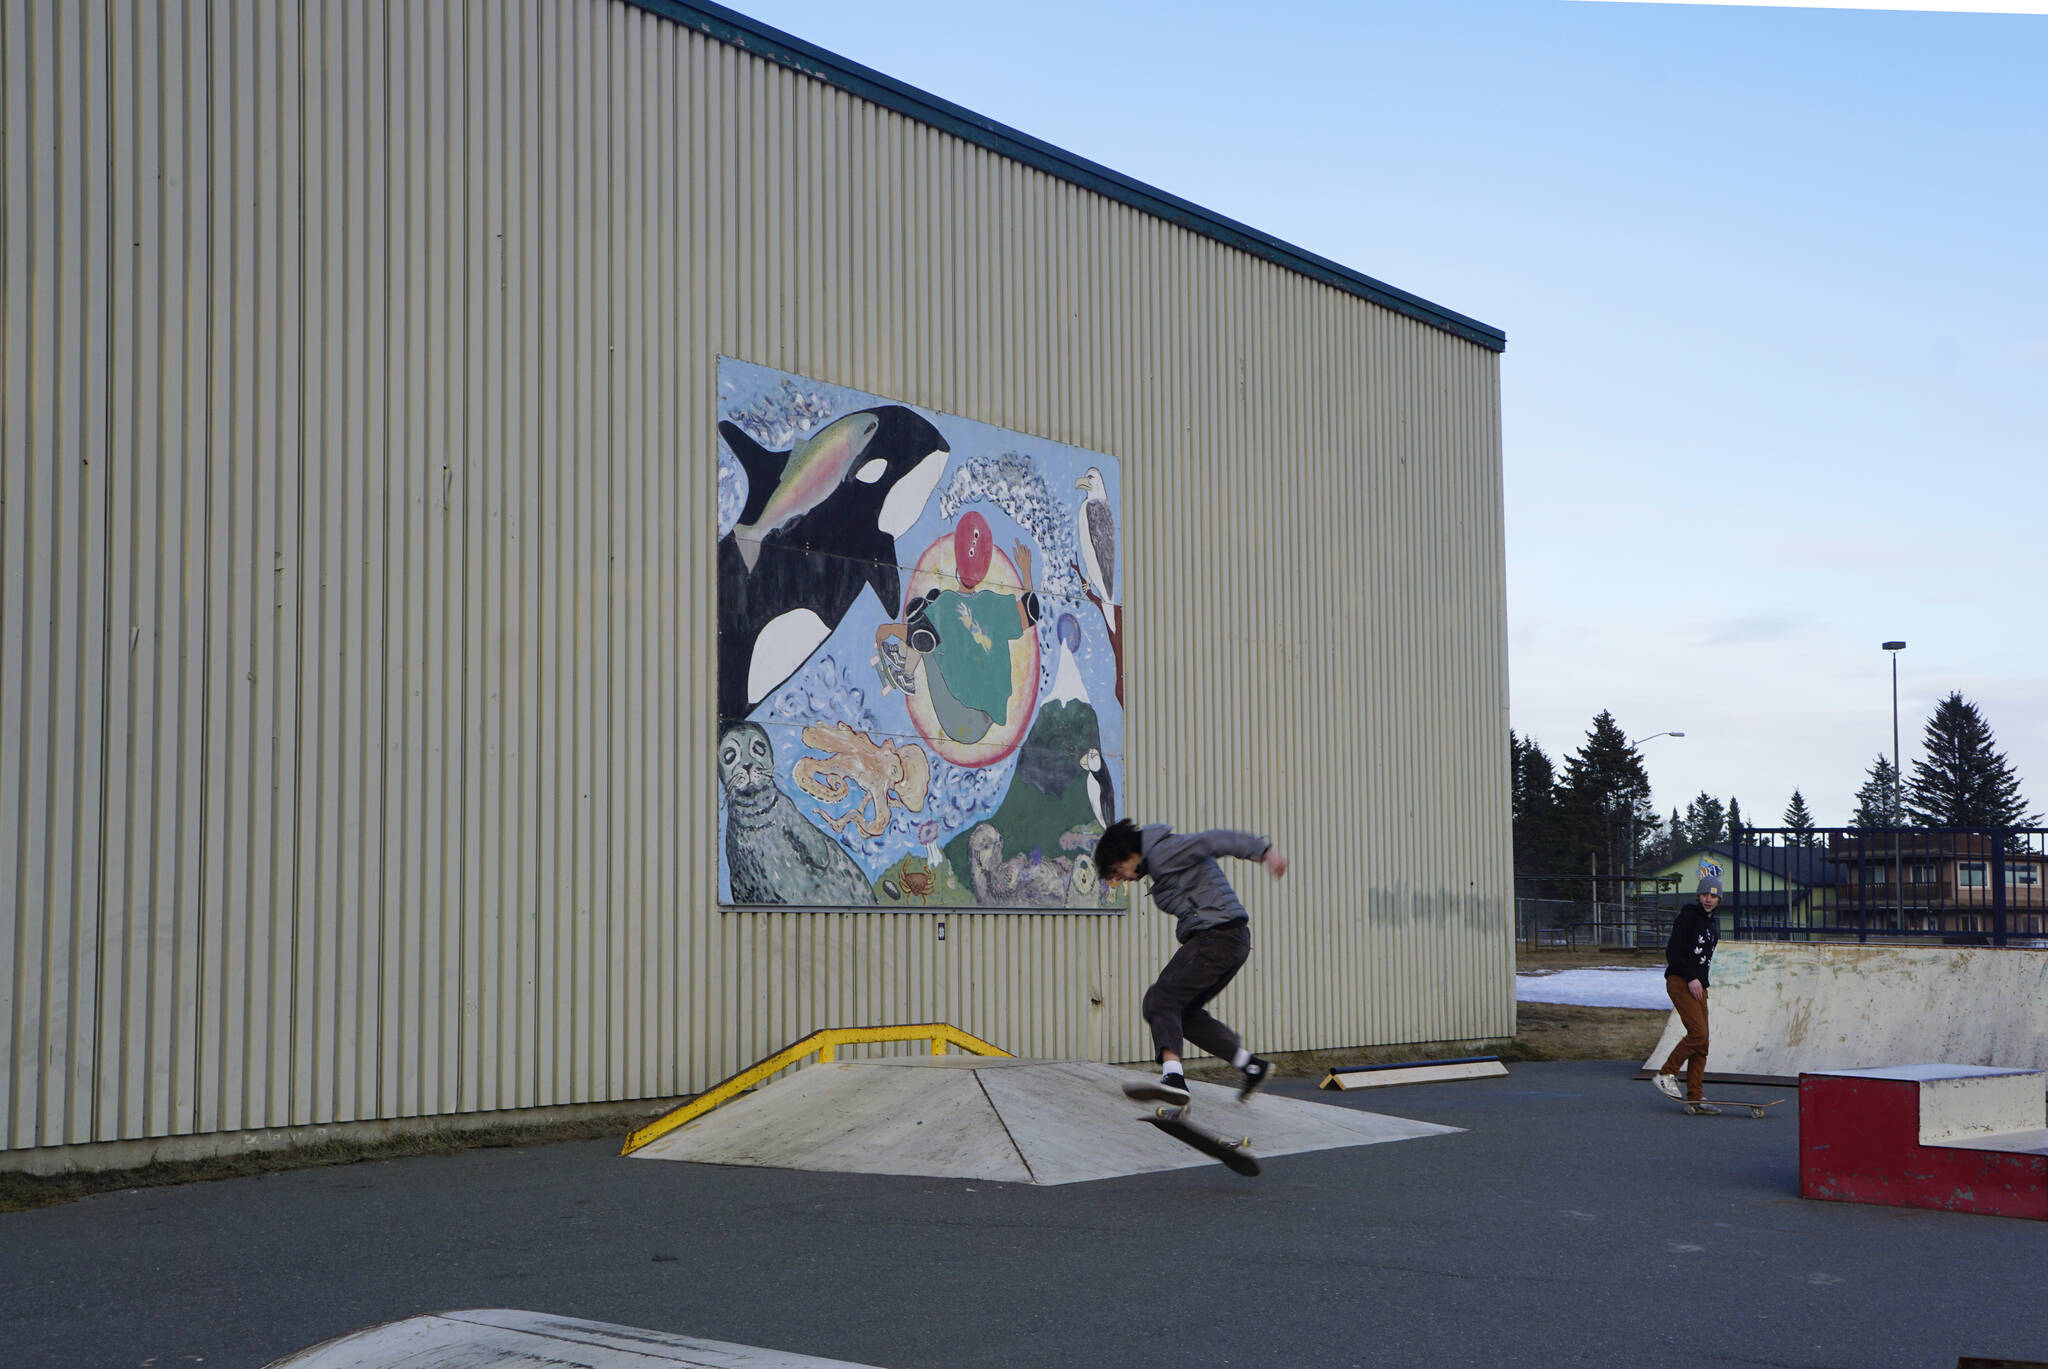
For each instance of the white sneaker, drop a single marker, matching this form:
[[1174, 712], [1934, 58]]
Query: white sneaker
[[1667, 1084]]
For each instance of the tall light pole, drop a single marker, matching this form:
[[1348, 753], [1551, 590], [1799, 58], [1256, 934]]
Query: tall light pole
[[1898, 794], [1898, 780], [1632, 805]]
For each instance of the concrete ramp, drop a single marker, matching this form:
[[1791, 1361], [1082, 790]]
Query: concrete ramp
[[507, 1338], [1780, 1009], [1016, 1121]]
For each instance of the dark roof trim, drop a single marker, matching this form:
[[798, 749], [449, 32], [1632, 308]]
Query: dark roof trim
[[727, 26]]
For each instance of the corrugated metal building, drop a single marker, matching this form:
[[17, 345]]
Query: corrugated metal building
[[355, 668]]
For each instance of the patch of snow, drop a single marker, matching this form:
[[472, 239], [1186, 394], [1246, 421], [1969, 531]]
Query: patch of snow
[[1616, 987]]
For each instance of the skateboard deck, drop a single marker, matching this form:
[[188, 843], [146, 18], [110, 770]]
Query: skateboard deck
[[1233, 1151], [1755, 1109], [1172, 1118]]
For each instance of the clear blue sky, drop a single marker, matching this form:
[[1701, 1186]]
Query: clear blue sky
[[1775, 284]]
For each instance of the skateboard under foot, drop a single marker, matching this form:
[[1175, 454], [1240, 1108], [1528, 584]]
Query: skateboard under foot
[[1755, 1109], [1172, 1118]]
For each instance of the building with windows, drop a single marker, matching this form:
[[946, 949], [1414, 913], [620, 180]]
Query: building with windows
[[1955, 884], [1783, 878]]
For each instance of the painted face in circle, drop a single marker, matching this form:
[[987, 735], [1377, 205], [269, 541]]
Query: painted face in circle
[[972, 543]]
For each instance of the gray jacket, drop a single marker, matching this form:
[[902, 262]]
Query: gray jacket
[[1186, 880]]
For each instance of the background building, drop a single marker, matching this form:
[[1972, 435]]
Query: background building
[[357, 650]]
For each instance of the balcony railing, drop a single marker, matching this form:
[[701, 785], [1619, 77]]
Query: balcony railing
[[1839, 883]]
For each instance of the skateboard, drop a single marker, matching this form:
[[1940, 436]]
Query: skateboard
[[1755, 1109], [1172, 1118]]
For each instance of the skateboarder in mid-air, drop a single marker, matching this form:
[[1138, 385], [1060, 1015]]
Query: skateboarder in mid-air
[[1214, 940]]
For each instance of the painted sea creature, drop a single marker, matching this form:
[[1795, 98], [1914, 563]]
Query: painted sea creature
[[773, 853], [885, 774], [811, 470], [808, 541]]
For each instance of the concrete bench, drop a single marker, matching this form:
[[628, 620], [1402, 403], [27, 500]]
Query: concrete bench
[[1962, 1138]]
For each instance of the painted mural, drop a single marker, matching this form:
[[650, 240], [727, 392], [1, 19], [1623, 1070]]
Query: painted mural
[[920, 655]]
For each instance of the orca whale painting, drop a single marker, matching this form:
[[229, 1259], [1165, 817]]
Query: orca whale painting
[[916, 650]]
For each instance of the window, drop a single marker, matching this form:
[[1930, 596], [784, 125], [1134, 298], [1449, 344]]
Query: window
[[1970, 874], [2022, 877], [1923, 872], [1877, 874]]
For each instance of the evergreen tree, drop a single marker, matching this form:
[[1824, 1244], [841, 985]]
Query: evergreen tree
[[1604, 780], [1800, 819], [1964, 780], [1650, 836], [1706, 822], [1680, 839], [1535, 804], [1878, 801], [1734, 815]]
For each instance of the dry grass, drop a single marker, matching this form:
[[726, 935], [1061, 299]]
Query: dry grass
[[1558, 1031], [1545, 1031], [1579, 958]]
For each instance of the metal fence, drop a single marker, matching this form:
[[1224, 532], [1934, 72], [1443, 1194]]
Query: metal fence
[[1631, 924], [1983, 886]]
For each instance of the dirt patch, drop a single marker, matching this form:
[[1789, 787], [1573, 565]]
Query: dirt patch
[[1564, 1031]]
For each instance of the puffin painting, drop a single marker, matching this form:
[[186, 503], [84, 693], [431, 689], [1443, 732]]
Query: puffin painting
[[1101, 792]]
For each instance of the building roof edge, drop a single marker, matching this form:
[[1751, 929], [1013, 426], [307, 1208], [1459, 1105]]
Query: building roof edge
[[749, 35]]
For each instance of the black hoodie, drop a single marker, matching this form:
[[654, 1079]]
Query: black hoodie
[[1693, 936]]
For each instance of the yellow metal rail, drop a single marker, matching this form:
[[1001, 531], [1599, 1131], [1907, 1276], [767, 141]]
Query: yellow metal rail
[[824, 1044]]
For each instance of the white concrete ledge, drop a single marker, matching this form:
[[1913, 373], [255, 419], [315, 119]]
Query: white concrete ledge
[[506, 1338]]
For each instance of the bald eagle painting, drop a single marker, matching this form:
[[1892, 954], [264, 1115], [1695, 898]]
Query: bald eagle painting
[[1097, 528]]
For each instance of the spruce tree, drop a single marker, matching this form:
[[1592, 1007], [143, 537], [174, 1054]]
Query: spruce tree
[[1964, 780], [1734, 815], [1535, 807], [1603, 781], [1877, 802], [1706, 821], [1800, 819], [1681, 840], [1649, 833]]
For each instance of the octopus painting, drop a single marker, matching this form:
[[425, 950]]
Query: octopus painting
[[887, 776]]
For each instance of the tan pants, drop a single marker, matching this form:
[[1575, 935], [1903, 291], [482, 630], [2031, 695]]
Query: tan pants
[[1691, 1052]]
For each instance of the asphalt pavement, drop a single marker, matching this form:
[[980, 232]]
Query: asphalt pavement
[[1581, 1219]]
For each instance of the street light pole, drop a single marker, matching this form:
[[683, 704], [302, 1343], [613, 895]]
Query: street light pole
[[1897, 779], [1898, 793]]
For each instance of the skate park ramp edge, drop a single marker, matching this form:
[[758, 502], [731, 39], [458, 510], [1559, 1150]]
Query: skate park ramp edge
[[824, 1045], [507, 1338], [1777, 1010], [1008, 1120]]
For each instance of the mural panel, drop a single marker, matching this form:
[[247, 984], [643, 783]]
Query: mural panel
[[920, 655]]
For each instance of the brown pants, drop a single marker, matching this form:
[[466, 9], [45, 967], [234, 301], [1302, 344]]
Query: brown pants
[[1691, 1052]]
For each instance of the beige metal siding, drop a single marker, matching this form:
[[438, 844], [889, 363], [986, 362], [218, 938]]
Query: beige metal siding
[[356, 527]]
